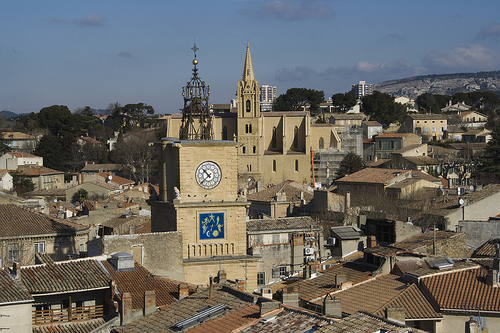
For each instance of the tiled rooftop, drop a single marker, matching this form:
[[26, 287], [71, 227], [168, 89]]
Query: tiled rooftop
[[116, 179], [70, 327], [11, 290], [319, 286], [421, 160], [20, 154], [427, 116], [16, 220], [36, 170], [487, 249], [230, 321], [424, 240], [463, 290], [101, 167], [347, 232], [291, 189], [372, 176], [391, 135], [64, 276], [384, 292], [140, 280], [280, 223], [289, 320], [163, 320], [362, 322]]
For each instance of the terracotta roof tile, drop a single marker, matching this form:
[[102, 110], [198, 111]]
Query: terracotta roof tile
[[16, 220], [316, 288], [36, 170], [373, 176], [291, 189], [163, 320], [90, 140], [12, 290], [465, 289], [362, 322], [289, 320], [382, 292], [230, 321], [487, 249], [280, 223], [70, 327], [65, 276], [140, 280], [116, 179]]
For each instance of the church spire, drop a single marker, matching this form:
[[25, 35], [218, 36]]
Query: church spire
[[248, 68]]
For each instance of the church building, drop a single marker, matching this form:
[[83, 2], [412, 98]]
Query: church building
[[272, 147]]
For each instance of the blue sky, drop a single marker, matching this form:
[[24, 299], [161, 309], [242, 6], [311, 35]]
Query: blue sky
[[97, 52]]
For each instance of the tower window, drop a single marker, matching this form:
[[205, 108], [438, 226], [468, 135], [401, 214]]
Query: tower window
[[248, 105], [321, 143], [249, 167], [296, 165], [296, 137], [224, 133], [244, 149], [254, 149], [273, 140], [274, 165], [248, 128]]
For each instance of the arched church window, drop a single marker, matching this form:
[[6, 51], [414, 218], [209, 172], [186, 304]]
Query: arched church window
[[244, 150], [296, 137], [254, 149], [274, 165], [248, 105], [224, 133], [296, 165], [321, 143], [273, 140]]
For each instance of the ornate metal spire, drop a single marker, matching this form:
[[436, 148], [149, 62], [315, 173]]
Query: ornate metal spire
[[196, 117]]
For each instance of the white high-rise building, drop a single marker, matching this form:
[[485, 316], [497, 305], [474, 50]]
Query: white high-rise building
[[267, 97], [362, 89]]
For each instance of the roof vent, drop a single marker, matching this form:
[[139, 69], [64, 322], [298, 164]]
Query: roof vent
[[122, 261], [199, 317]]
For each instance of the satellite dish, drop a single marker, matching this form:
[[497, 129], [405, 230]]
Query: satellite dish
[[110, 177], [461, 202]]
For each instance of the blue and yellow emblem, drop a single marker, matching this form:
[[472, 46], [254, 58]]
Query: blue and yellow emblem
[[211, 225]]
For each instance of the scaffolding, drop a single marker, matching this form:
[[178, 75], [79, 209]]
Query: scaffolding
[[326, 162]]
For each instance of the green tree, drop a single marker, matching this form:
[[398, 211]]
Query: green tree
[[488, 166], [57, 152], [431, 103], [350, 163], [382, 108], [296, 98], [344, 101], [21, 184], [125, 117], [59, 120], [80, 196]]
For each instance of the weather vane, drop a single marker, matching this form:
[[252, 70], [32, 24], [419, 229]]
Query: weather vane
[[194, 48]]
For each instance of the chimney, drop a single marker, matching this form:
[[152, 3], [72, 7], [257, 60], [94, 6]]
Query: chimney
[[16, 270], [266, 307], [347, 201], [211, 287], [339, 279], [149, 302], [222, 276], [290, 296], [471, 326], [183, 290], [332, 307], [240, 283], [267, 293], [371, 241], [493, 278], [126, 315], [396, 314]]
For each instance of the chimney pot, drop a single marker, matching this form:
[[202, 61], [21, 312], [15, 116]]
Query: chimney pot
[[149, 302], [183, 290], [222, 276]]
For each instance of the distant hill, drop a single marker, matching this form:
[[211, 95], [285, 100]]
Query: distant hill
[[444, 84], [10, 114]]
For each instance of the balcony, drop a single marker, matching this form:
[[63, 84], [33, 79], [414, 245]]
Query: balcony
[[82, 313]]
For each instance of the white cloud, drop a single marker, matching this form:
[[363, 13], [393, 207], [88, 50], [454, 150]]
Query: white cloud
[[125, 54], [491, 31], [299, 73], [291, 10], [93, 20], [469, 58]]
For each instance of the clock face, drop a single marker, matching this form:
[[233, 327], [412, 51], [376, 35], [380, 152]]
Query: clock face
[[211, 225], [208, 175]]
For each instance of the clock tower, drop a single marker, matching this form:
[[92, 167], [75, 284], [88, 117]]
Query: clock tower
[[199, 198]]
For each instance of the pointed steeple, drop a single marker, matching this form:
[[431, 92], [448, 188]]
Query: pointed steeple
[[248, 68]]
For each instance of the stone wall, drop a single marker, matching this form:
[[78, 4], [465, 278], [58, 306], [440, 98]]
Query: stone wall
[[479, 232], [161, 252]]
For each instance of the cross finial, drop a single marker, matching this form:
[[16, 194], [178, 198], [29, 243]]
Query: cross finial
[[194, 48]]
